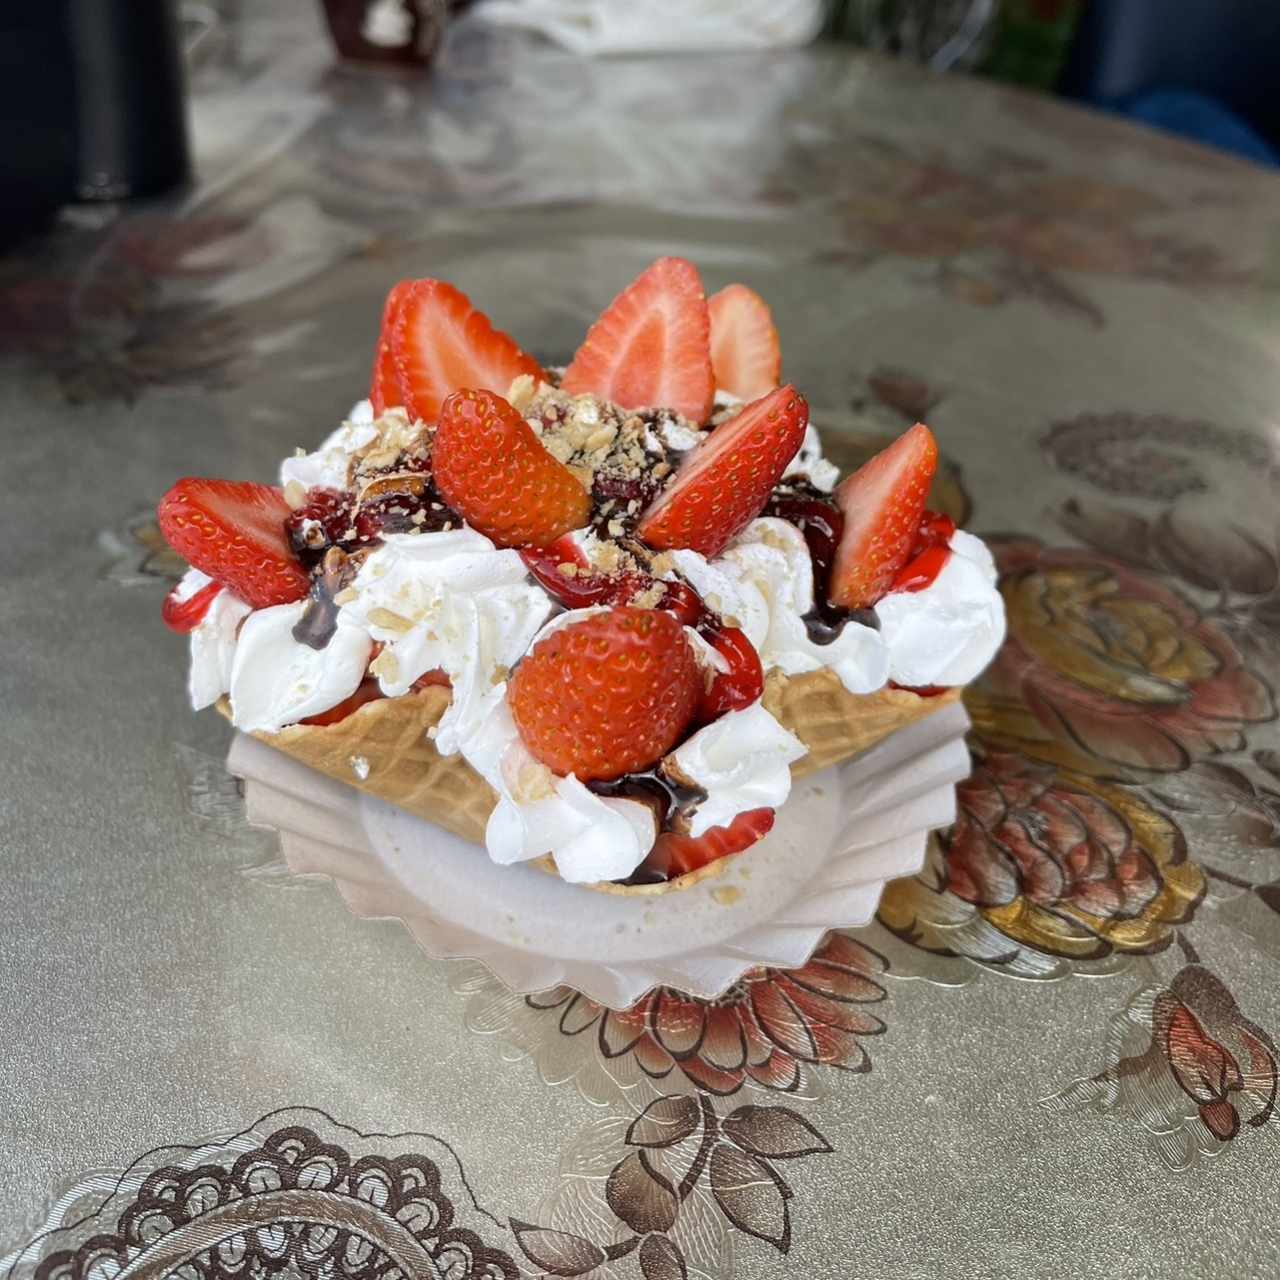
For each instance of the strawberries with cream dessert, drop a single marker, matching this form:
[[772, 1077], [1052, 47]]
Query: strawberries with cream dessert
[[591, 598]]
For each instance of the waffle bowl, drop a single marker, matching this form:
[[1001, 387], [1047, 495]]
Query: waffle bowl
[[383, 749], [844, 831]]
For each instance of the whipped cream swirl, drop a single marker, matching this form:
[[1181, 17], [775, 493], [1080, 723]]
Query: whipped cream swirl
[[213, 640], [763, 583], [946, 633], [742, 761], [275, 680], [449, 601]]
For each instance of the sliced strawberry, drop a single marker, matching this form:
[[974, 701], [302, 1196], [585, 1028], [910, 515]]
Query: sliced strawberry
[[883, 502], [729, 477], [184, 616], [651, 349], [608, 695], [366, 691], [676, 855], [494, 472], [440, 343], [234, 532], [745, 355], [384, 387]]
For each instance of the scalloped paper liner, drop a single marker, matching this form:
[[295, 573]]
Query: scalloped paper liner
[[843, 833], [383, 748]]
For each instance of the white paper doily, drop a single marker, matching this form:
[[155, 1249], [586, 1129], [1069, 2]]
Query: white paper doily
[[839, 837]]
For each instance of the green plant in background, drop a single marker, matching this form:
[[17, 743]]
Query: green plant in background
[[1022, 41]]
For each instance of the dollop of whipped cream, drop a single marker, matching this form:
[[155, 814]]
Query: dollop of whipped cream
[[810, 465], [742, 761], [213, 640], [328, 466], [946, 633], [763, 583], [591, 837], [447, 600], [275, 680]]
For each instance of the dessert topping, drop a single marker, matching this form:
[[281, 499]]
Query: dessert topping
[[441, 344], [674, 854], [608, 694], [651, 346], [745, 355], [728, 479], [234, 532], [883, 502], [186, 604], [491, 468]]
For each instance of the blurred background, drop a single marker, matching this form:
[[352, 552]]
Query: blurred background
[[95, 94]]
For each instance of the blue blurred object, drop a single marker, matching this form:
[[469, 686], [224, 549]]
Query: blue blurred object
[[1206, 69], [1193, 115]]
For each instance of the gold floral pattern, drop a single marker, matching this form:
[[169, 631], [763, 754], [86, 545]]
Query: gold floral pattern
[[1055, 861], [1108, 671]]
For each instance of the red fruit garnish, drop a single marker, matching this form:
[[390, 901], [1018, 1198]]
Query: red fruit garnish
[[676, 855], [320, 523], [882, 503], [608, 695], [727, 480], [921, 570], [366, 691], [742, 684], [651, 348], [935, 529], [384, 387], [184, 616], [494, 472], [234, 532], [440, 344], [436, 676], [745, 355]]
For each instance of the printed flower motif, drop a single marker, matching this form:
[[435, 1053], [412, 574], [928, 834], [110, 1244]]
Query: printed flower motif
[[765, 1029], [1187, 1065], [1108, 671], [1051, 860]]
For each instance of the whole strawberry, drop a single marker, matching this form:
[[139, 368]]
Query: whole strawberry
[[728, 478], [494, 472], [608, 695]]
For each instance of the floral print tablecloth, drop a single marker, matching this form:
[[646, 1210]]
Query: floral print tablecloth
[[1025, 1065]]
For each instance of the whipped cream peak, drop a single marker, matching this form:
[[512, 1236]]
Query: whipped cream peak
[[742, 761], [450, 601], [810, 465], [946, 633], [763, 583], [212, 640], [276, 680], [591, 837]]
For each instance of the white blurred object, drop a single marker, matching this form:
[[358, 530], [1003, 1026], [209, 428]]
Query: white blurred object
[[662, 26]]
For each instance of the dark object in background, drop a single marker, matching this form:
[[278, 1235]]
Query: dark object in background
[[131, 113], [387, 32], [91, 105], [1227, 51]]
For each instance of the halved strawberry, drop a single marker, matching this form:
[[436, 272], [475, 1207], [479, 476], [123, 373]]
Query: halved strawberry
[[234, 532], [882, 502], [384, 387], [440, 343], [745, 355], [607, 695], [651, 348], [494, 472], [729, 477], [676, 855]]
